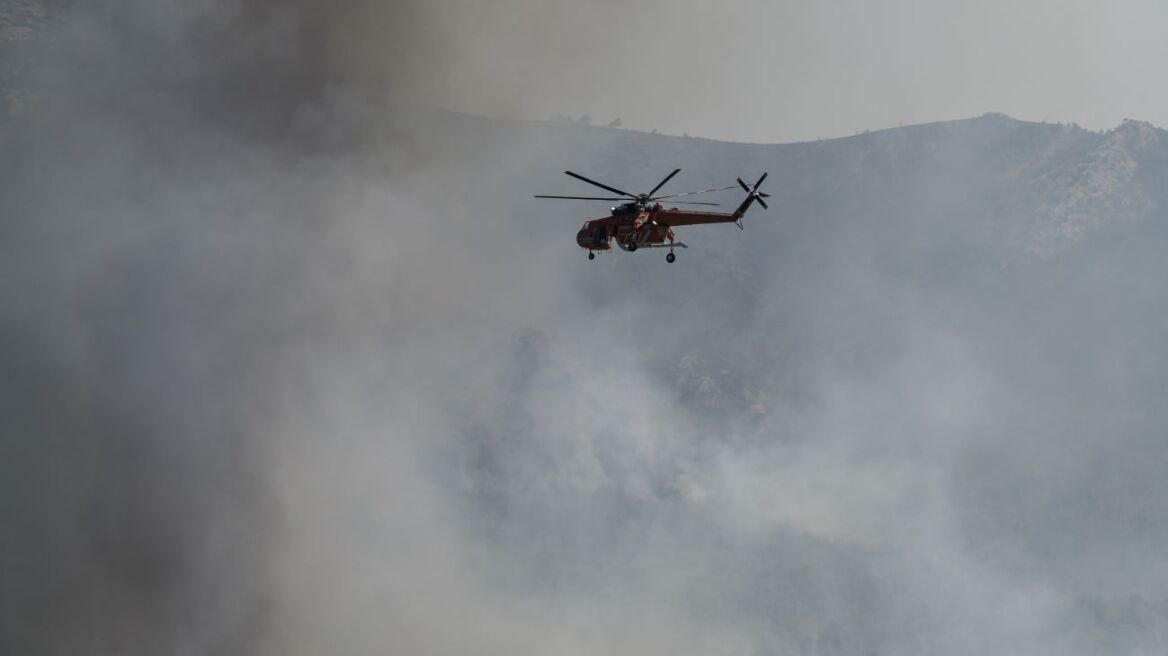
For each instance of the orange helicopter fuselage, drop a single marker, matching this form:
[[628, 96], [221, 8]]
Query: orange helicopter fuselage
[[635, 228]]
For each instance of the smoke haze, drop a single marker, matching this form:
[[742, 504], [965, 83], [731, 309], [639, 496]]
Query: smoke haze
[[754, 71], [293, 364]]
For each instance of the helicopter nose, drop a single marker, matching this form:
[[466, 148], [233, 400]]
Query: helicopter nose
[[592, 238]]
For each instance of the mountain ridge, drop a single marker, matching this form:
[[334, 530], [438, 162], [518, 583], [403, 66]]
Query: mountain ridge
[[1049, 185]]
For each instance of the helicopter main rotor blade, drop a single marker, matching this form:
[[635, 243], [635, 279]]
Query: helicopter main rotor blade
[[691, 193], [662, 183], [582, 197], [602, 186], [692, 202]]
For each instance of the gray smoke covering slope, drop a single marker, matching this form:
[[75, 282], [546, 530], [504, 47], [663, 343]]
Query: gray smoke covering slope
[[292, 365]]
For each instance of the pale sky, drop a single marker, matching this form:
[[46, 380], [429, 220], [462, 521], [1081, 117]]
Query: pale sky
[[754, 70]]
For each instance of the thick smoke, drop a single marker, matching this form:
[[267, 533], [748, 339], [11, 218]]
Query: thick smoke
[[293, 365], [165, 195], [237, 284]]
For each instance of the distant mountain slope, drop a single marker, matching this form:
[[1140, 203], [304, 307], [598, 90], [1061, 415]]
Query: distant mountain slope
[[988, 289], [21, 21], [1039, 188]]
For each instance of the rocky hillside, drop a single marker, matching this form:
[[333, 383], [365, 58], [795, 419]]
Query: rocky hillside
[[23, 27]]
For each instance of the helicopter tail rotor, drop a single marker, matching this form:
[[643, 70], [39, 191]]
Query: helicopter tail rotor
[[753, 195]]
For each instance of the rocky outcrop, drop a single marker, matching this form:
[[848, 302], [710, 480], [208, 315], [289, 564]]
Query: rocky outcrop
[[1084, 194], [22, 22]]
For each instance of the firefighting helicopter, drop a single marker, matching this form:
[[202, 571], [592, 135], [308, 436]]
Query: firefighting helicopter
[[642, 222]]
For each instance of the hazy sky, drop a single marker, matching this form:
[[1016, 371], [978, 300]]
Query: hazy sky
[[758, 70]]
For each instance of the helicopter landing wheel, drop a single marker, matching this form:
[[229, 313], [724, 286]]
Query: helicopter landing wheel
[[632, 247], [670, 257], [592, 256]]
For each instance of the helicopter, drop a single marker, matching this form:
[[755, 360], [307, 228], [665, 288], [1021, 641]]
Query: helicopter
[[642, 222]]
